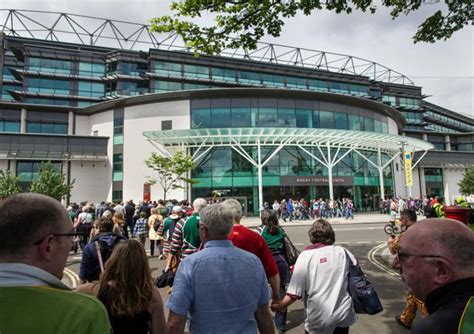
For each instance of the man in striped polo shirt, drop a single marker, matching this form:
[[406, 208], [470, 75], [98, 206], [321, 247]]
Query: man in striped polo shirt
[[186, 240]]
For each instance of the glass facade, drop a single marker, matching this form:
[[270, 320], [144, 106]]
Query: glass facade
[[9, 126], [223, 168], [434, 182], [49, 65], [228, 113], [49, 86], [28, 170]]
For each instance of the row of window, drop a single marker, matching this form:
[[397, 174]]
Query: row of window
[[41, 127], [28, 170], [282, 117], [463, 147], [412, 117], [449, 120], [57, 66], [63, 87], [179, 70], [9, 126], [440, 128], [405, 102], [433, 175]]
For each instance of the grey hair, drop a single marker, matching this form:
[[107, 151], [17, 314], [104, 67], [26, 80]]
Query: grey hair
[[235, 208], [199, 204], [218, 220]]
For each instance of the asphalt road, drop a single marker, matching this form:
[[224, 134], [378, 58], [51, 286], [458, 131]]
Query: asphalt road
[[364, 240]]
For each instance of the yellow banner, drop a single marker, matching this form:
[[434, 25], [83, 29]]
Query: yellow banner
[[408, 174]]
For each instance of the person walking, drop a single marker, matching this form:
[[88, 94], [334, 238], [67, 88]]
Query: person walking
[[406, 318], [141, 228], [126, 289], [274, 237], [154, 223], [320, 277]]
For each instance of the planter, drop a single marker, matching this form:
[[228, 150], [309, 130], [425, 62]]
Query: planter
[[464, 215]]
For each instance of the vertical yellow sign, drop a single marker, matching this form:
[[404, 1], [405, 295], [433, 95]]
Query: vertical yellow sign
[[408, 174]]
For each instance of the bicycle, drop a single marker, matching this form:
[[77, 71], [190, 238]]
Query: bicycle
[[393, 228]]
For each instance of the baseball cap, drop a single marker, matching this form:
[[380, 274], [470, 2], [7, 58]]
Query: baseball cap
[[177, 209]]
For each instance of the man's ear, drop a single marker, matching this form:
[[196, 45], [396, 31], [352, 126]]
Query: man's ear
[[444, 272], [46, 248]]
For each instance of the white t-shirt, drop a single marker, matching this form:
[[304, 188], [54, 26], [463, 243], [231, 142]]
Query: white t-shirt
[[320, 278]]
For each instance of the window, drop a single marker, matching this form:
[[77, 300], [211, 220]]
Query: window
[[339, 88], [241, 117], [134, 69], [273, 80], [389, 99], [49, 65], [95, 70], [166, 125], [91, 89], [44, 127], [117, 195], [286, 118], [304, 118], [267, 117], [249, 77], [195, 86], [167, 68], [118, 162], [220, 117], [223, 74], [9, 126], [49, 86], [131, 88], [201, 118], [318, 85], [28, 170], [166, 86], [341, 121], [326, 119], [196, 71], [9, 87], [293, 82]]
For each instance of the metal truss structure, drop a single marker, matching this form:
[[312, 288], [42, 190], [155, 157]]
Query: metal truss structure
[[332, 146], [94, 31]]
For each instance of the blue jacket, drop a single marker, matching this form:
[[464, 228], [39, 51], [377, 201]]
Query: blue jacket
[[90, 268]]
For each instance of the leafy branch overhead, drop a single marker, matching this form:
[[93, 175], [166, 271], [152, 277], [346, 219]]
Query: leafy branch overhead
[[172, 171], [242, 23]]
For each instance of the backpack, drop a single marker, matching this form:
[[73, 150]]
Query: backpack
[[156, 224], [104, 250], [430, 211]]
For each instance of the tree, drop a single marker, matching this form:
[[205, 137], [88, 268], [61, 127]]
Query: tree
[[171, 171], [9, 184], [242, 23], [51, 182], [466, 185]]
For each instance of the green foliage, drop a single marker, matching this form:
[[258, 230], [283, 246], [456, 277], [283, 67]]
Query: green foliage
[[51, 182], [466, 185], [9, 184], [171, 171], [242, 23]]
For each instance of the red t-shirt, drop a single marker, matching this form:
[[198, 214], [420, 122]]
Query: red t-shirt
[[253, 242]]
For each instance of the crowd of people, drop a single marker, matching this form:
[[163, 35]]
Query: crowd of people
[[228, 278], [289, 210]]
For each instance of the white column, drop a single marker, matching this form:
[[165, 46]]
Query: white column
[[447, 143], [23, 120], [260, 177], [380, 168], [447, 194], [421, 171], [330, 165], [70, 123]]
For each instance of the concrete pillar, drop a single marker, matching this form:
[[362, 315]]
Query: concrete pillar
[[447, 143], [70, 123], [447, 194], [331, 186], [421, 172], [380, 168], [425, 136], [23, 120], [260, 177]]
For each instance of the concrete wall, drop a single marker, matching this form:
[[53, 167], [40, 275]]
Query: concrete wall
[[93, 181], [392, 127], [83, 125], [103, 124], [139, 119], [451, 177], [415, 190]]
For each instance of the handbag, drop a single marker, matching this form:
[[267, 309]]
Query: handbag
[[291, 252], [165, 279], [364, 296]]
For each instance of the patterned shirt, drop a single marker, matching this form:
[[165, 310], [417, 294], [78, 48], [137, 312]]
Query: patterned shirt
[[185, 240], [141, 227]]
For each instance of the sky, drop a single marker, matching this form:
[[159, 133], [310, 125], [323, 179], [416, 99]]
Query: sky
[[445, 70]]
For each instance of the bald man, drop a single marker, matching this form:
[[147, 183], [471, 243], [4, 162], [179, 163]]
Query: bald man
[[36, 236], [436, 261]]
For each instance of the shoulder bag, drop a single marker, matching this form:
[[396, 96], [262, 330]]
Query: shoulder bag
[[291, 252], [364, 296]]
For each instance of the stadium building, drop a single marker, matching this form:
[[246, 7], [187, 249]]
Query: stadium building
[[97, 97]]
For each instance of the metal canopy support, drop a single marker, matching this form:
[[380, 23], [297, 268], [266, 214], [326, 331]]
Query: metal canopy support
[[417, 162], [162, 150], [331, 186], [260, 176]]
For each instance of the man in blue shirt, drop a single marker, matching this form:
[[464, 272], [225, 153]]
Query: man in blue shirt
[[222, 289]]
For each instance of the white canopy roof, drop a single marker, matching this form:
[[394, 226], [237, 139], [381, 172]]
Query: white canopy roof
[[287, 136]]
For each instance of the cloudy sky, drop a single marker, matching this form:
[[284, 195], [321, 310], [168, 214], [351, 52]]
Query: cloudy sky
[[445, 69]]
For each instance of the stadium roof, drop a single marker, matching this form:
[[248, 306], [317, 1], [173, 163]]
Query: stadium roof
[[94, 31]]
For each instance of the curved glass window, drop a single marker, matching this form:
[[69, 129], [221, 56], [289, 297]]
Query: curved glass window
[[283, 113]]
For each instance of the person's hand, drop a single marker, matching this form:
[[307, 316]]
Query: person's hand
[[277, 306], [390, 239]]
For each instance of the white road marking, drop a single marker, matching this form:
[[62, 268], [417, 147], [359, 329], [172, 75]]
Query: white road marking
[[72, 276], [378, 264], [364, 242], [77, 258]]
